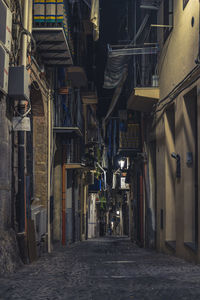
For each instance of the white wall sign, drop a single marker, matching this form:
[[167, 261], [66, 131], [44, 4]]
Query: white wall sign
[[21, 124]]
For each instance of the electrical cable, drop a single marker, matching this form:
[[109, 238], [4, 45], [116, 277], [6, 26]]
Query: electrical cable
[[178, 85], [175, 95]]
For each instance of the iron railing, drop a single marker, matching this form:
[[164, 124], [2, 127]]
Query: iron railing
[[68, 111]]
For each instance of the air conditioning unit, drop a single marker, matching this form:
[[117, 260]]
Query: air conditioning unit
[[4, 67], [39, 215], [5, 25]]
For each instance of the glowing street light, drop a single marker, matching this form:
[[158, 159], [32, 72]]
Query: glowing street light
[[121, 163]]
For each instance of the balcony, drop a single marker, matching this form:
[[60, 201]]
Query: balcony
[[129, 132], [129, 139], [68, 117], [143, 99], [73, 153], [89, 97], [51, 32], [150, 4], [146, 91]]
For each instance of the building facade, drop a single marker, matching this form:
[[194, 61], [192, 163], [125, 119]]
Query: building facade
[[177, 134]]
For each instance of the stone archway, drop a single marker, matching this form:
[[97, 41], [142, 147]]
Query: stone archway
[[37, 104]]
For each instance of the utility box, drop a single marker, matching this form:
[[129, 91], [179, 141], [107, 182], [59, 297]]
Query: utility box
[[4, 65], [5, 25], [18, 87]]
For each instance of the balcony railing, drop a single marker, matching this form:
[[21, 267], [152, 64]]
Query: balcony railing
[[129, 132], [74, 151], [146, 71], [52, 32], [129, 140], [68, 114]]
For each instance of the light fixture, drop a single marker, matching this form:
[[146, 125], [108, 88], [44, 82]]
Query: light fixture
[[117, 212], [177, 157], [121, 162]]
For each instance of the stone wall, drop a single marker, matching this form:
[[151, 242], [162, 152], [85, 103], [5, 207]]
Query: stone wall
[[40, 158], [9, 256]]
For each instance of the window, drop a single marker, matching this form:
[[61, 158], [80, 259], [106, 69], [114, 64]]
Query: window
[[168, 17]]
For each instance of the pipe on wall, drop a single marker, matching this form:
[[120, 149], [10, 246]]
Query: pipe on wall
[[49, 174], [63, 199], [22, 136], [24, 36]]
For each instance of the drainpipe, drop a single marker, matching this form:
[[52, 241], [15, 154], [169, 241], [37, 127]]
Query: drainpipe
[[141, 211], [30, 18], [63, 197], [104, 173], [24, 36], [49, 173], [199, 36], [142, 233], [22, 137]]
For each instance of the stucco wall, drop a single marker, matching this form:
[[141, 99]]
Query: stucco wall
[[179, 52]]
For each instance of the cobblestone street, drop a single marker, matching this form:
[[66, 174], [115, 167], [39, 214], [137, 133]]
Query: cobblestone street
[[104, 269]]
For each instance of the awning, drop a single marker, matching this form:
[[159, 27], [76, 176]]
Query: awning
[[70, 131], [73, 166], [143, 99], [77, 76]]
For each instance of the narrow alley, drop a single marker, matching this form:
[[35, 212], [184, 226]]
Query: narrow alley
[[104, 268], [100, 149]]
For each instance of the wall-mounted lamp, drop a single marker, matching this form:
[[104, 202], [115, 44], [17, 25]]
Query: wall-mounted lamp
[[121, 162], [189, 159], [178, 164], [174, 155]]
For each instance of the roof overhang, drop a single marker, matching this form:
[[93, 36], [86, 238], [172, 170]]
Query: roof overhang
[[150, 4], [143, 99], [77, 76], [52, 46], [70, 131], [73, 166]]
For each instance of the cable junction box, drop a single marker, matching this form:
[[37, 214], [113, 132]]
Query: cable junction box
[[18, 87]]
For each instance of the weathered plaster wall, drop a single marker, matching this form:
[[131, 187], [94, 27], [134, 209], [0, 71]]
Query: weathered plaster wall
[[9, 254], [180, 51], [176, 60]]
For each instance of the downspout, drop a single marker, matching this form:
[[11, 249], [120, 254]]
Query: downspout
[[104, 173], [197, 61], [49, 174], [141, 210], [24, 36], [22, 137], [63, 198], [30, 18], [142, 206]]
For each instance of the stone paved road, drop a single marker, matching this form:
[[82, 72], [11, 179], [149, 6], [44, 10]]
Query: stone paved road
[[104, 269]]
